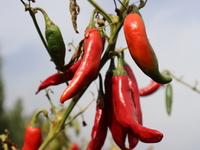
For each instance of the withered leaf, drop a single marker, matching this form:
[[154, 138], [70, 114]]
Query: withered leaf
[[74, 11]]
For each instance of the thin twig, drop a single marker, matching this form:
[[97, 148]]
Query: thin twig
[[79, 113], [179, 79], [50, 101]]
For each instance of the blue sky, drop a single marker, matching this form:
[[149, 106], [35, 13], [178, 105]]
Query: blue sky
[[173, 28]]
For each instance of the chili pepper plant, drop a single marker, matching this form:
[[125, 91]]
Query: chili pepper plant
[[118, 108]]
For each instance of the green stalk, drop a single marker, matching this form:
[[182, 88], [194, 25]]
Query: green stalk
[[120, 69], [50, 101], [79, 113], [92, 23], [60, 125], [115, 28], [101, 11], [48, 21], [34, 119], [124, 5], [32, 14], [181, 81]]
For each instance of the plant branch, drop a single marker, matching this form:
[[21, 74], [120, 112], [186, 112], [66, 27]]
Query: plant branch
[[50, 101], [181, 81], [101, 10], [32, 14], [80, 112], [60, 124]]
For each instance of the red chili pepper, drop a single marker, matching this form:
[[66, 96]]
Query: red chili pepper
[[99, 130], [74, 146], [33, 134], [124, 108], [89, 65], [118, 134], [133, 141], [32, 138], [151, 88], [135, 90], [57, 78], [140, 48]]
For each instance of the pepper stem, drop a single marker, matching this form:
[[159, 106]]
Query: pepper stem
[[133, 9], [92, 23], [124, 62], [32, 14], [111, 67], [120, 69], [34, 121], [48, 21]]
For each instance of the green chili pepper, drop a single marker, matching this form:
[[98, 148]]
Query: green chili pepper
[[55, 42], [168, 96]]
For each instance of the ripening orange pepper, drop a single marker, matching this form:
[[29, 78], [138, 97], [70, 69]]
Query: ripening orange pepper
[[140, 47]]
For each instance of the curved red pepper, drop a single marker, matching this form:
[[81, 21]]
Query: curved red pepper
[[118, 134], [57, 78], [89, 65], [151, 88], [133, 141], [140, 48], [99, 130], [135, 90], [74, 146], [124, 108]]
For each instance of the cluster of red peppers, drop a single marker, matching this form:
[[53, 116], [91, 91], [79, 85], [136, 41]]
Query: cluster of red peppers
[[138, 45], [118, 108], [121, 111]]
